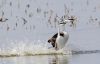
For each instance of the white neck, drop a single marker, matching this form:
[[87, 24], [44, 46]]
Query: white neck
[[61, 28], [58, 29]]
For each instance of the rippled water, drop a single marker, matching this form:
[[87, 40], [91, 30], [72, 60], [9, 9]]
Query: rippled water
[[53, 59]]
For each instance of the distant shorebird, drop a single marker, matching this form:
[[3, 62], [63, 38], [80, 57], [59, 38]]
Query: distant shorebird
[[59, 39], [25, 21], [3, 19]]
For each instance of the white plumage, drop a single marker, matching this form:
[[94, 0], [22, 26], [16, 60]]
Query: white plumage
[[62, 40], [59, 40]]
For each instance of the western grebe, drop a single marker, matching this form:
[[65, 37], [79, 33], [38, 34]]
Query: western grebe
[[59, 40]]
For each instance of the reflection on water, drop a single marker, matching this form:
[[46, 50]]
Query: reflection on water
[[53, 59], [58, 59], [42, 59]]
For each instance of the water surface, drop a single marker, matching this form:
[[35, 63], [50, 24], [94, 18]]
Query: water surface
[[53, 59]]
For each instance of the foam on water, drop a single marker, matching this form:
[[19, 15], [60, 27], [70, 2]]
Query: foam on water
[[28, 48]]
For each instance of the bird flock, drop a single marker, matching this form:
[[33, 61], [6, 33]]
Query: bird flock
[[51, 17]]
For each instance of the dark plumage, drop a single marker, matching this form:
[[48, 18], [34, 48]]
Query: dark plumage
[[3, 20], [25, 21], [53, 39]]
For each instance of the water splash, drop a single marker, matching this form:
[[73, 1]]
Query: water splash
[[29, 48], [37, 47]]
